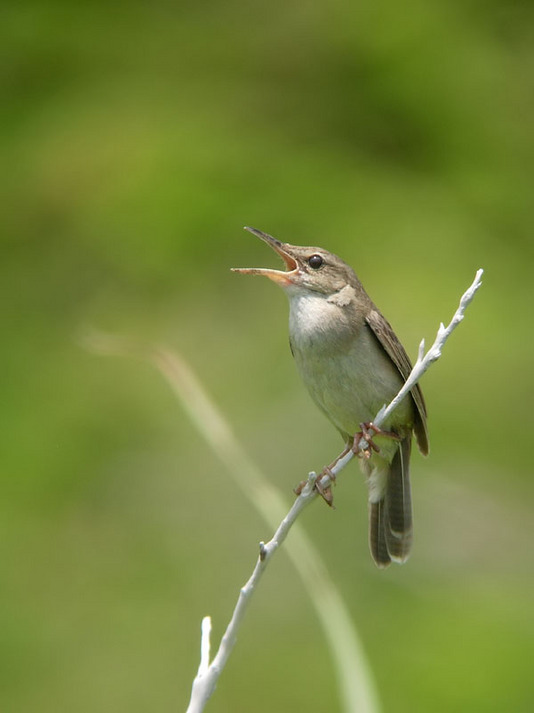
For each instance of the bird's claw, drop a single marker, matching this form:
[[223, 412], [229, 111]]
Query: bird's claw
[[326, 493], [367, 433]]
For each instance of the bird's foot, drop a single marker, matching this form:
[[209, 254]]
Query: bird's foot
[[300, 487], [324, 492], [367, 433]]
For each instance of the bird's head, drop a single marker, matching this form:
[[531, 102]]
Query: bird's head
[[307, 268]]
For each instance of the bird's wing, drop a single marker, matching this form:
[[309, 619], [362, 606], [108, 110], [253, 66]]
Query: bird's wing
[[394, 349]]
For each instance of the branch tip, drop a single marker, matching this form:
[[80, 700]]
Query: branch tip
[[205, 645], [421, 352]]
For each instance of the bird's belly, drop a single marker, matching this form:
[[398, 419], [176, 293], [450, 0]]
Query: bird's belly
[[351, 384]]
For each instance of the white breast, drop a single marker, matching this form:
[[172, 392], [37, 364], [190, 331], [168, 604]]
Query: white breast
[[346, 371]]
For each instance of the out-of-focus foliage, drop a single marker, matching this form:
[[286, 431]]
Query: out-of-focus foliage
[[136, 140]]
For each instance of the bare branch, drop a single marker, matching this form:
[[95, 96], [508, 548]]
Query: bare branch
[[358, 692], [425, 360], [309, 493]]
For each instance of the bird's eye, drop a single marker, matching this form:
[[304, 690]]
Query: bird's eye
[[315, 262]]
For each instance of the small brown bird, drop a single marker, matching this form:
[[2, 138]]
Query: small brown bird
[[352, 364]]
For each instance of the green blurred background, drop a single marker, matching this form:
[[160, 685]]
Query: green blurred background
[[137, 139]]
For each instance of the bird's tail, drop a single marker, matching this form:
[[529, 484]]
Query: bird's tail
[[390, 508]]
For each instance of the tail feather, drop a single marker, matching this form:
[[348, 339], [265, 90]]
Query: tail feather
[[398, 521], [377, 535], [390, 516]]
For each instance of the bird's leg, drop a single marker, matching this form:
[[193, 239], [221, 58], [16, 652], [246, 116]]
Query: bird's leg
[[325, 493], [328, 468], [367, 433]]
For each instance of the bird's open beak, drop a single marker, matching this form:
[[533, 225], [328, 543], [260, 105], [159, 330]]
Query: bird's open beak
[[282, 277]]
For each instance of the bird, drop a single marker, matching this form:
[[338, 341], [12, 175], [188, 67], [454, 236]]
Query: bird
[[352, 363]]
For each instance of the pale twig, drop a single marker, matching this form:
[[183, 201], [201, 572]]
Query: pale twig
[[433, 354], [207, 683], [356, 683]]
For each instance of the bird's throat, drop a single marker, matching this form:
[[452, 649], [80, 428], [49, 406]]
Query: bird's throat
[[319, 323]]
